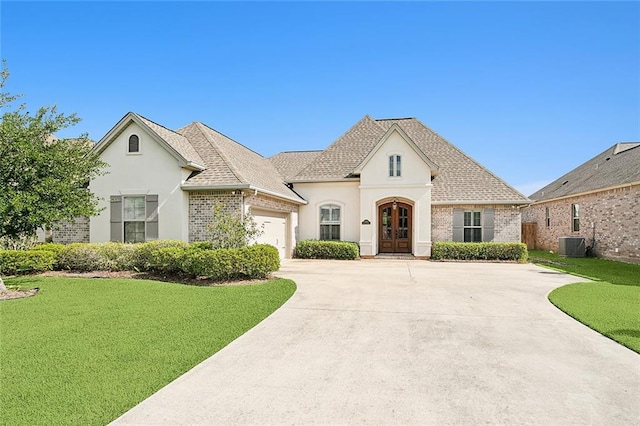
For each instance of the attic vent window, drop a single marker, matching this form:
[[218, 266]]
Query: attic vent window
[[134, 143]]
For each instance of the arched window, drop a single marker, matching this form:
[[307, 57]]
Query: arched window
[[330, 222], [134, 143]]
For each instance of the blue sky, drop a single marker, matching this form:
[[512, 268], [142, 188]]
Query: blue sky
[[528, 89]]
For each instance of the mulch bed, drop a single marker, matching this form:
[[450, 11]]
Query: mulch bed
[[18, 294]]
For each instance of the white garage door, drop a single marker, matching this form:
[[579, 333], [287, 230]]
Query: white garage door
[[275, 229]]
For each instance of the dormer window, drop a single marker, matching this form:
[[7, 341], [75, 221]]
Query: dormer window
[[395, 166], [134, 144]]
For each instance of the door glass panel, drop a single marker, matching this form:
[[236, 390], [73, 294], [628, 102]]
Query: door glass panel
[[386, 223], [403, 222]]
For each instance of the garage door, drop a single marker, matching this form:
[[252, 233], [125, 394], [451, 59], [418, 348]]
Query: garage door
[[275, 229]]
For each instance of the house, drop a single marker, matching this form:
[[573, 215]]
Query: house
[[599, 200], [392, 185]]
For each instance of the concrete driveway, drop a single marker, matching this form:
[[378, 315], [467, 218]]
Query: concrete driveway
[[409, 342]]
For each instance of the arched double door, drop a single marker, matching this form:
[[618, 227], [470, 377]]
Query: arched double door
[[394, 227]]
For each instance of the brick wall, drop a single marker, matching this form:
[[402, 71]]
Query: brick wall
[[264, 202], [201, 203], [614, 213], [506, 222], [71, 232], [201, 214]]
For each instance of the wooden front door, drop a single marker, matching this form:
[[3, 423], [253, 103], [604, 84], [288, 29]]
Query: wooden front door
[[394, 228]]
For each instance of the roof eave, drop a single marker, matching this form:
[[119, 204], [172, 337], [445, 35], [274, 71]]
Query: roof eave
[[497, 202], [580, 194]]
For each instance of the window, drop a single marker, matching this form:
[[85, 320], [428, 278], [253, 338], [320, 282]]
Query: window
[[134, 143], [134, 219], [547, 217], [395, 166], [575, 213], [330, 222], [472, 227]]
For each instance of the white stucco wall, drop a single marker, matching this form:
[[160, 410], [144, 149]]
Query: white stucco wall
[[151, 171], [412, 187], [344, 194]]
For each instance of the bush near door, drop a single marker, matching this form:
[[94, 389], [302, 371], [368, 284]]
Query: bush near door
[[479, 251], [314, 249]]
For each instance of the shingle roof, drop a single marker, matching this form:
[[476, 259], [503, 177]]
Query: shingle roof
[[229, 163], [459, 177], [174, 140], [290, 163], [617, 165]]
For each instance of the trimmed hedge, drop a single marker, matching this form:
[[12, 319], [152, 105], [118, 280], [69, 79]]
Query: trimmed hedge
[[257, 261], [25, 261], [442, 250], [315, 249], [162, 256]]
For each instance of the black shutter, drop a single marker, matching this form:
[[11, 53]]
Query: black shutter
[[116, 218], [458, 225], [152, 218]]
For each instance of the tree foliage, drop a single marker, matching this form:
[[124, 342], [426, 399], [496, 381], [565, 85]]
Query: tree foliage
[[228, 230], [43, 180]]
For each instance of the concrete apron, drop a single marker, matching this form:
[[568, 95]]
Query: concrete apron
[[409, 342]]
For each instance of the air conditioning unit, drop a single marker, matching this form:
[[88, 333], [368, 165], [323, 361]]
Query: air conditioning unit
[[571, 247]]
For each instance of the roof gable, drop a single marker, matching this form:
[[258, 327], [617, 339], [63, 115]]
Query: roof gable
[[177, 145], [230, 164], [617, 165], [460, 179], [396, 129]]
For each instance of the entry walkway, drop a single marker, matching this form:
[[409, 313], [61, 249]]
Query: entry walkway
[[409, 342]]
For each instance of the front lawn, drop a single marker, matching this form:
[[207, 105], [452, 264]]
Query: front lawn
[[610, 305], [84, 351]]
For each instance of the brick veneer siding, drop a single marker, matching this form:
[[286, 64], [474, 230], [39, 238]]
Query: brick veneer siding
[[201, 213], [261, 201], [71, 232], [614, 214], [201, 203], [506, 222]]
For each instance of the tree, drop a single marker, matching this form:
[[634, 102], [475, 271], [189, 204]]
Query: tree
[[43, 179], [228, 230]]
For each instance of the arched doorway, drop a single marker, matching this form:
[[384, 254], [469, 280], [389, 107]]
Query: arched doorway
[[394, 227]]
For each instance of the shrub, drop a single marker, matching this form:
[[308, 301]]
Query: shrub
[[256, 261], [202, 245], [56, 248], [479, 251], [259, 261], [144, 252], [221, 264], [82, 257], [167, 260], [314, 249], [25, 261]]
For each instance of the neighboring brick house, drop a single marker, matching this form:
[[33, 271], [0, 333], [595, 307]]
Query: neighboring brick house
[[599, 200], [393, 186]]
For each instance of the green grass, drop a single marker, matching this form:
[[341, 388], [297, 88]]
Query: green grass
[[84, 351], [610, 305]]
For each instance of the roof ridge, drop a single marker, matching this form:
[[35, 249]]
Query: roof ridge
[[471, 158], [398, 118], [157, 124], [231, 139], [214, 145]]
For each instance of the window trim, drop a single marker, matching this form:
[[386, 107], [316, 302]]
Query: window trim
[[331, 206], [575, 217], [125, 220], [395, 165], [472, 226], [139, 151]]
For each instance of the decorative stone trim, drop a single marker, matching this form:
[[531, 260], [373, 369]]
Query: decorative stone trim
[[76, 231]]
